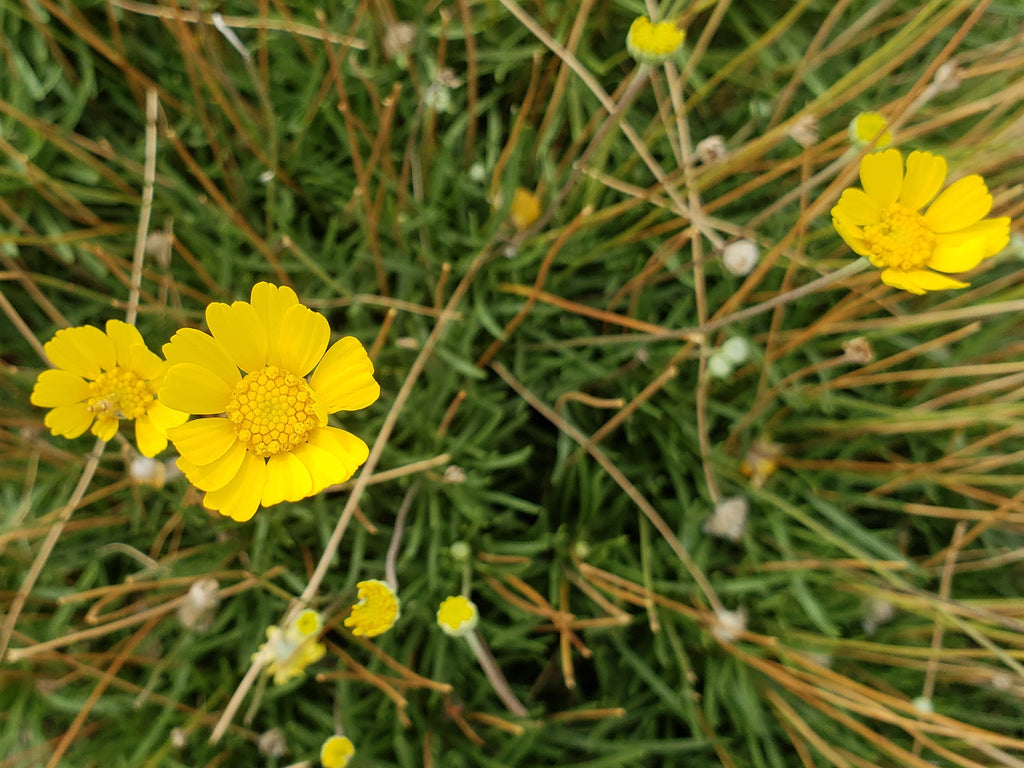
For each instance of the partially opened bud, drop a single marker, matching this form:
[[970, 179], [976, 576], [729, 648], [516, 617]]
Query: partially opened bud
[[651, 43]]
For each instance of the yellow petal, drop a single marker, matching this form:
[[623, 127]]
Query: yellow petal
[[57, 387], [124, 336], [150, 438], [146, 363], [997, 234], [852, 237], [881, 175], [962, 250], [857, 207], [69, 420], [240, 498], [190, 388], [203, 441], [957, 258], [193, 346], [218, 473], [344, 379], [961, 204], [271, 302], [83, 351], [164, 418], [304, 337], [920, 281], [324, 467], [347, 450], [105, 426], [240, 331], [287, 480], [925, 174]]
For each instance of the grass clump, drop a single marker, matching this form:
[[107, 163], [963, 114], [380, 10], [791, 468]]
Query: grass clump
[[525, 229]]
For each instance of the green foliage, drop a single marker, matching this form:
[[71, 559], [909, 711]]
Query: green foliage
[[377, 181]]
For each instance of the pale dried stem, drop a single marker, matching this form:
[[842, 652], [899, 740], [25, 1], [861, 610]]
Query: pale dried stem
[[142, 232], [495, 675], [853, 268], [390, 571], [20, 654], [393, 474], [239, 22]]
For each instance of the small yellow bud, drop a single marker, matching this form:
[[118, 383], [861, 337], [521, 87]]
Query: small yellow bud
[[870, 128], [336, 752], [457, 616], [651, 43], [525, 208]]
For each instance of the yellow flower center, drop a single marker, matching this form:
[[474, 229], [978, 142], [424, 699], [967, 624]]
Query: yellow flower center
[[273, 411], [901, 240], [376, 611], [120, 392]]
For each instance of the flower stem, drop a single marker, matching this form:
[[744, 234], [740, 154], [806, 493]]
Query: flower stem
[[494, 675], [824, 281], [390, 571]]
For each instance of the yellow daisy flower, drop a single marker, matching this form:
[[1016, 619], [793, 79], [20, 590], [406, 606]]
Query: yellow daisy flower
[[264, 438], [100, 378], [289, 651], [377, 609], [883, 221], [457, 616], [652, 43], [336, 752]]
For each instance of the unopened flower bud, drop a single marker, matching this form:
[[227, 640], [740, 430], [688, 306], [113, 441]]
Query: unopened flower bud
[[741, 257], [805, 131], [272, 743], [870, 128], [858, 351], [146, 471], [736, 350], [460, 551], [651, 43], [729, 519], [729, 625], [711, 150], [457, 616]]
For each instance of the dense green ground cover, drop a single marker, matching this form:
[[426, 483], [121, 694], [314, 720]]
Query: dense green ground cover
[[546, 394]]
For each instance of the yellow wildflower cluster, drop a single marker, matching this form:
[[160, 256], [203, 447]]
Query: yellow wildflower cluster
[[263, 383]]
